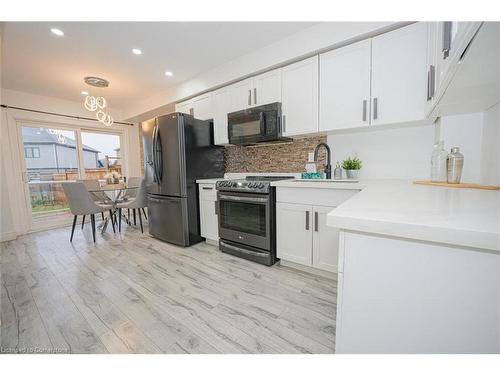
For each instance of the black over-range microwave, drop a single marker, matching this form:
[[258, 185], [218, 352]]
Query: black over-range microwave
[[254, 125]]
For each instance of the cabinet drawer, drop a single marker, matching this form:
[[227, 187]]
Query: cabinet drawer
[[312, 196], [207, 191]]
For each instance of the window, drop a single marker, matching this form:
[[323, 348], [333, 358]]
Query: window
[[32, 152]]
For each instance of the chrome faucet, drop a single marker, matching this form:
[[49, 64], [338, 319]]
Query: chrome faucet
[[328, 166]]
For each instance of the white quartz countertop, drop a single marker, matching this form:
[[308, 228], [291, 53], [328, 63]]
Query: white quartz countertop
[[209, 180], [320, 184], [464, 217]]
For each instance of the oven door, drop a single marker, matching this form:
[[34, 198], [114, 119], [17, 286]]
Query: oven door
[[245, 218]]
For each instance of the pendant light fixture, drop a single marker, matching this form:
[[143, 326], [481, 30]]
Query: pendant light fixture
[[98, 104]]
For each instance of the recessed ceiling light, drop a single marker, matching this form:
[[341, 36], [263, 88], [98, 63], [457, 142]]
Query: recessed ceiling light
[[57, 32], [169, 74], [85, 93], [136, 51]]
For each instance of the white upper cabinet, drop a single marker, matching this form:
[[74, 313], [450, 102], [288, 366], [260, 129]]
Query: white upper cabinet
[[241, 95], [221, 106], [344, 84], [202, 107], [299, 94], [266, 88], [399, 75], [184, 107]]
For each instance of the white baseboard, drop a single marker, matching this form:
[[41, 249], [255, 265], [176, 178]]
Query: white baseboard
[[314, 271], [8, 236]]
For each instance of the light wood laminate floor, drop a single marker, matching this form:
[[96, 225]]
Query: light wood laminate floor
[[131, 293]]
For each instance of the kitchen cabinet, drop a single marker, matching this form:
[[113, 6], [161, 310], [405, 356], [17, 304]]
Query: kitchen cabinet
[[184, 107], [202, 107], [448, 42], [325, 241], [344, 86], [208, 217], [199, 107], [221, 107], [241, 95], [294, 236], [382, 80], [299, 95], [399, 75], [266, 88], [303, 236]]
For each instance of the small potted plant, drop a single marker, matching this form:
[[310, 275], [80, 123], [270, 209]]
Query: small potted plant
[[112, 177], [352, 166]]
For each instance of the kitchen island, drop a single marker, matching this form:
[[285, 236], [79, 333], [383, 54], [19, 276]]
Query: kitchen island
[[419, 270]]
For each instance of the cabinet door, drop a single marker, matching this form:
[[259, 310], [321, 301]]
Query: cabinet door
[[221, 107], [399, 75], [267, 88], [184, 107], [294, 232], [325, 241], [344, 85], [202, 107], [241, 95], [299, 93], [208, 217]]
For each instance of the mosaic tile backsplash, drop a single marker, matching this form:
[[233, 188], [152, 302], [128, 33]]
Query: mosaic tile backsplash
[[282, 157]]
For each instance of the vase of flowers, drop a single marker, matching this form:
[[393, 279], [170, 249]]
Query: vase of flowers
[[352, 167], [112, 177]]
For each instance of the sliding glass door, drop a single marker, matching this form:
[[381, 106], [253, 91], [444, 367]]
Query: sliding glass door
[[52, 155]]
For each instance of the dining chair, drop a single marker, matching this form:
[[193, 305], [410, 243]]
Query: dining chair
[[99, 198], [81, 203], [134, 182], [138, 203]]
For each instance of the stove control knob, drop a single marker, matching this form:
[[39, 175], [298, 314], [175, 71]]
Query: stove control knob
[[251, 185], [234, 184], [261, 185]]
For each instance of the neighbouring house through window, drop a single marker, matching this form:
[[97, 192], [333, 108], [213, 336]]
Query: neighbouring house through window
[[32, 152]]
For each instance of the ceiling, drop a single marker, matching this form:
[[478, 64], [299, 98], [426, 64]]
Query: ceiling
[[39, 62]]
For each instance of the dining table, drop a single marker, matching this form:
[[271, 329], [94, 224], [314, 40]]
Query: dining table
[[113, 194]]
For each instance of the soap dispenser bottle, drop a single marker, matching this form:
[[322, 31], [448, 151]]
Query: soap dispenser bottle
[[337, 172]]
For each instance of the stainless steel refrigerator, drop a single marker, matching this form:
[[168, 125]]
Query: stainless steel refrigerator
[[178, 150]]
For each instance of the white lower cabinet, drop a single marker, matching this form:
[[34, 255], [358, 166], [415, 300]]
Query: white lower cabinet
[[294, 236], [208, 217], [325, 241], [304, 238]]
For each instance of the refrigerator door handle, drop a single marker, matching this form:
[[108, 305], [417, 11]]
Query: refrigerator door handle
[[153, 159], [159, 155]]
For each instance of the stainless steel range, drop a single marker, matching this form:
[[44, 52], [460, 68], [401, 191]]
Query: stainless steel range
[[247, 217]]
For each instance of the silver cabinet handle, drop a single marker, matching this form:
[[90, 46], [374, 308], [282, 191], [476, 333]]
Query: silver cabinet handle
[[255, 95], [433, 80], [315, 221], [207, 188], [446, 39], [307, 220], [375, 108], [364, 110], [249, 97], [191, 111], [216, 208], [284, 123]]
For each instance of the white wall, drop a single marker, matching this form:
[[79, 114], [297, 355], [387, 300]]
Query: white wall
[[310, 40], [490, 156], [404, 153]]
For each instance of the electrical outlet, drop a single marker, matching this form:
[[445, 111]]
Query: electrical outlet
[[311, 157]]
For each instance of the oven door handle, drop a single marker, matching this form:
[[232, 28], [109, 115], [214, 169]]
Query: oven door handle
[[245, 251], [242, 199]]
